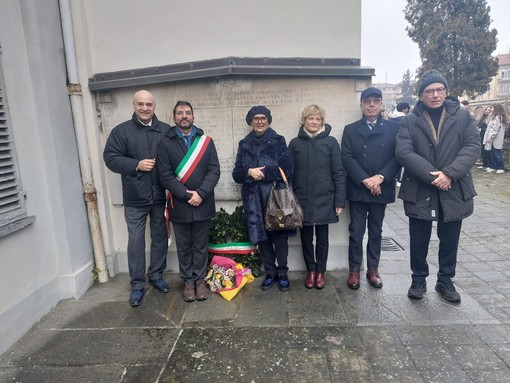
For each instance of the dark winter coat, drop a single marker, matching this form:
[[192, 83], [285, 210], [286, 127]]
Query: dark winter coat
[[319, 178], [367, 152], [273, 154], [204, 178], [128, 144], [455, 153]]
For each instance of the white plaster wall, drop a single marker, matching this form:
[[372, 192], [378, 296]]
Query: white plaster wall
[[133, 34], [51, 259]]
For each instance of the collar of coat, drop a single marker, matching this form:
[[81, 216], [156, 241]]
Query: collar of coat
[[173, 132], [326, 132], [154, 125]]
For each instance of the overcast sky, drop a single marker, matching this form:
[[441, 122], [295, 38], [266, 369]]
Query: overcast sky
[[386, 47]]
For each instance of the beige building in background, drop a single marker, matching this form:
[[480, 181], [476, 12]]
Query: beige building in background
[[68, 70]]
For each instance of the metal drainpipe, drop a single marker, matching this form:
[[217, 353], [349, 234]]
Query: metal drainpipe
[[75, 95]]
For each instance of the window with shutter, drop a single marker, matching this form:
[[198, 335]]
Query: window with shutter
[[12, 202]]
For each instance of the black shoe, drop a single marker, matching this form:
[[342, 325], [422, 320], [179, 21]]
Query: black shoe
[[136, 297], [417, 290], [283, 282], [447, 290], [160, 285], [268, 282]]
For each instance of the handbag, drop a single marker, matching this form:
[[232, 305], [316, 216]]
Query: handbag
[[283, 211]]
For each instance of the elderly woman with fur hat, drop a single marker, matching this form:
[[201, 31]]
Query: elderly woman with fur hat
[[259, 155]]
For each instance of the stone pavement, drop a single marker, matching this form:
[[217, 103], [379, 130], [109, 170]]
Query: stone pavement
[[333, 335]]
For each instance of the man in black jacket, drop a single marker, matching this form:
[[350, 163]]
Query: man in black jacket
[[368, 156], [131, 151], [437, 144], [189, 169]]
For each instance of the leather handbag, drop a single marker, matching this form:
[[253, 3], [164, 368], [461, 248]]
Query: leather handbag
[[283, 211]]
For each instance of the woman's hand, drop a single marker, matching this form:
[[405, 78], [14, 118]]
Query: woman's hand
[[256, 173]]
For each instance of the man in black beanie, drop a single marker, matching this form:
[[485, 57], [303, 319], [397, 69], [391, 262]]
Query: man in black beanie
[[437, 144]]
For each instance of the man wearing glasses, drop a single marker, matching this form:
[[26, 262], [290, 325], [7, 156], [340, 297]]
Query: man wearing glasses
[[437, 144], [368, 156]]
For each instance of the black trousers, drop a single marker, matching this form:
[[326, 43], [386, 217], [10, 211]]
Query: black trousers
[[448, 234], [315, 262], [275, 249], [362, 215], [192, 240], [136, 220]]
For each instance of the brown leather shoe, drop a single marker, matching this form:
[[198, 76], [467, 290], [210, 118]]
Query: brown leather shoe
[[374, 279], [310, 280], [202, 290], [319, 281], [189, 291], [353, 281]]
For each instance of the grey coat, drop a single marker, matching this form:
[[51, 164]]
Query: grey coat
[[455, 153], [319, 178]]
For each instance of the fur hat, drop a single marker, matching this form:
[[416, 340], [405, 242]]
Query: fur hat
[[431, 77], [259, 109]]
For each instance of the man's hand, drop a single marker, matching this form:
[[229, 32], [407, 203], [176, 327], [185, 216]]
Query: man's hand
[[146, 165], [442, 181], [373, 184], [195, 199]]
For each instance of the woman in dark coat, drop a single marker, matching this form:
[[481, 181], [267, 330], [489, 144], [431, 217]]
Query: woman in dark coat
[[319, 184], [259, 155]]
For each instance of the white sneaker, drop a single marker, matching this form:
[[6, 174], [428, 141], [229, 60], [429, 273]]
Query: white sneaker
[[500, 171], [481, 167], [489, 170]]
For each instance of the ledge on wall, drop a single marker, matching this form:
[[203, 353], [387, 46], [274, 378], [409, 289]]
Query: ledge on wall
[[295, 66]]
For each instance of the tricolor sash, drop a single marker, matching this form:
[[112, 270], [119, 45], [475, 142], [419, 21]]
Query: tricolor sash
[[184, 170], [192, 158], [231, 248]]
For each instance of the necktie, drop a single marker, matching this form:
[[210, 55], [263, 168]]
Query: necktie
[[372, 125]]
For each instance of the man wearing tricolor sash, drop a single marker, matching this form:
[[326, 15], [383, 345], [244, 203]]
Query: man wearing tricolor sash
[[189, 169]]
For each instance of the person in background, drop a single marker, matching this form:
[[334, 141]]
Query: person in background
[[131, 152], [400, 111], [189, 169], [494, 138], [259, 155], [437, 144], [482, 125], [368, 156], [319, 184]]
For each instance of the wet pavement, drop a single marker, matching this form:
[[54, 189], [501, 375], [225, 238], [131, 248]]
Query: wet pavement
[[329, 335]]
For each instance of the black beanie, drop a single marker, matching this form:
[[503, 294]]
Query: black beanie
[[431, 77], [259, 109]]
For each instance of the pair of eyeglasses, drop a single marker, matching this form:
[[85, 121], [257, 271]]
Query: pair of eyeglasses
[[439, 91], [375, 101], [262, 119]]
